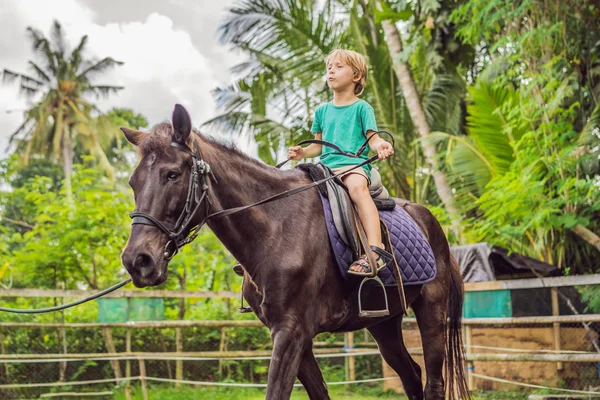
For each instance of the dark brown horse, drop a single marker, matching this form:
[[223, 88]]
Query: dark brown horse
[[294, 286]]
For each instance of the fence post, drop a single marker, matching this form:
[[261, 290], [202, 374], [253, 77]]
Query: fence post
[[470, 365], [178, 363], [556, 325], [349, 361], [143, 378], [110, 346], [128, 365]]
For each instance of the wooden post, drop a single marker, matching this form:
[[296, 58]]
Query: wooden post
[[349, 362], [63, 334], [110, 346], [221, 349], [556, 325], [470, 365], [143, 379], [128, 365], [178, 363]]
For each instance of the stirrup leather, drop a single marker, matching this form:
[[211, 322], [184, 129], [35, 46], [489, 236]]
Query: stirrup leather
[[238, 269]]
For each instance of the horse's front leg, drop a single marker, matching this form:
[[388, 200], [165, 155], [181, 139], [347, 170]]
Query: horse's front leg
[[311, 377], [289, 346]]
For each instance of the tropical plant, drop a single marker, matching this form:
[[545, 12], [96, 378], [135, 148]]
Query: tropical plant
[[62, 119]]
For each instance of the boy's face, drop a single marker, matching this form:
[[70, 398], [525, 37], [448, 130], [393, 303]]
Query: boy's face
[[340, 76]]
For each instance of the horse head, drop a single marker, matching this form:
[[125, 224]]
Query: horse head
[[169, 189]]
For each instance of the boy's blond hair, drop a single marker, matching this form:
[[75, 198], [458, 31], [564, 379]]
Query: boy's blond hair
[[356, 61]]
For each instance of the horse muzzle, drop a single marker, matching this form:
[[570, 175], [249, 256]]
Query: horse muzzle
[[143, 268]]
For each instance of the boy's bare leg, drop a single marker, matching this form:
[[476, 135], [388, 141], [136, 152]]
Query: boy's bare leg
[[367, 212]]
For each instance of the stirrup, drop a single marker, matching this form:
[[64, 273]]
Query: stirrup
[[237, 268], [372, 313]]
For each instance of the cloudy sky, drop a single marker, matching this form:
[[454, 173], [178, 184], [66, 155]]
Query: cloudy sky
[[169, 47]]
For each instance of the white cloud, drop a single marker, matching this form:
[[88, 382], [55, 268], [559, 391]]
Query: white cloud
[[163, 66]]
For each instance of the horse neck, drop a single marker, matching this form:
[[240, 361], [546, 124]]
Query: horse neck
[[242, 181]]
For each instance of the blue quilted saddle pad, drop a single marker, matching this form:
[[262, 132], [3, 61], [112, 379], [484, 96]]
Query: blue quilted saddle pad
[[411, 248]]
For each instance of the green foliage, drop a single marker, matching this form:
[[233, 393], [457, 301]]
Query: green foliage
[[127, 117], [69, 243], [513, 106]]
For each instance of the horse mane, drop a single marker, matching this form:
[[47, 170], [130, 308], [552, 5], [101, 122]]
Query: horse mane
[[159, 139]]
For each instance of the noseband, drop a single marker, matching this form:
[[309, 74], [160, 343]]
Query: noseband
[[180, 234]]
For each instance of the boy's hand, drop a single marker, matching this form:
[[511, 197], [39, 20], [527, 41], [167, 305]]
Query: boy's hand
[[384, 150], [295, 153]]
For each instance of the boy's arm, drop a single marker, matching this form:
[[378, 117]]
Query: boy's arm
[[313, 149], [310, 151], [383, 148]]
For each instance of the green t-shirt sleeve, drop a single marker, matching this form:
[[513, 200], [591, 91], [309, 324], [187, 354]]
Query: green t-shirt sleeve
[[317, 125], [368, 119]]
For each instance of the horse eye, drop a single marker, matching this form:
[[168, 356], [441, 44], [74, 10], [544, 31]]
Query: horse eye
[[172, 176]]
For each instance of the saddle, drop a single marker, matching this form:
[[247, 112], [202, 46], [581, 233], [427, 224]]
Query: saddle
[[347, 224]]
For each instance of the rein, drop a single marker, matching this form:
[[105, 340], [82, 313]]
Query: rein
[[62, 307], [179, 234]]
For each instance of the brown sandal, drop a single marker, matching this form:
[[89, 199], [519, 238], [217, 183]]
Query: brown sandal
[[381, 260]]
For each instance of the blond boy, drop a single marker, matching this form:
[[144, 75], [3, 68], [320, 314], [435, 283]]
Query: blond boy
[[346, 121]]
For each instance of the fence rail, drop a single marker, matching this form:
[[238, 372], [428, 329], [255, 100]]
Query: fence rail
[[534, 283]]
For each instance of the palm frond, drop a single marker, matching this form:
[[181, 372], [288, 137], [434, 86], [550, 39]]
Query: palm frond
[[28, 91], [9, 76], [41, 46], [58, 38], [98, 67], [105, 90], [591, 131], [490, 126], [39, 72], [441, 99], [286, 29], [234, 123], [232, 97], [76, 54]]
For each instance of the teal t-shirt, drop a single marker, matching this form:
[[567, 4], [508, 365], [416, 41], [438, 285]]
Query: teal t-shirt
[[346, 127]]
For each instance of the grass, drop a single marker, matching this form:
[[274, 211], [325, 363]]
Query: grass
[[354, 392], [221, 393]]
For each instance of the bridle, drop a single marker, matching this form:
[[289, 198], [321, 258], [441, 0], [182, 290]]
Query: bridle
[[181, 234]]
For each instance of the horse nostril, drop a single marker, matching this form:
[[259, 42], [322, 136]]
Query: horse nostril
[[142, 263]]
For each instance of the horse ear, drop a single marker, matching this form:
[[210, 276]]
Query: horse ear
[[133, 136], [182, 124]]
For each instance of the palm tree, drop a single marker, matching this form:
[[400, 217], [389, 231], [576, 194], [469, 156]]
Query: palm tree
[[63, 118], [417, 113]]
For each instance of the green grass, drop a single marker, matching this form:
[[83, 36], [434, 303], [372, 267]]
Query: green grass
[[221, 393], [354, 392]]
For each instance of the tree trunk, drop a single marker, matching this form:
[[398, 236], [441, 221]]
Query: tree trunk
[[587, 235], [67, 150], [417, 114]]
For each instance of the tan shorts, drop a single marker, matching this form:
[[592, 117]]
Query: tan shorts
[[358, 171]]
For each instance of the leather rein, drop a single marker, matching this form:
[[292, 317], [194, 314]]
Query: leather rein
[[179, 234]]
